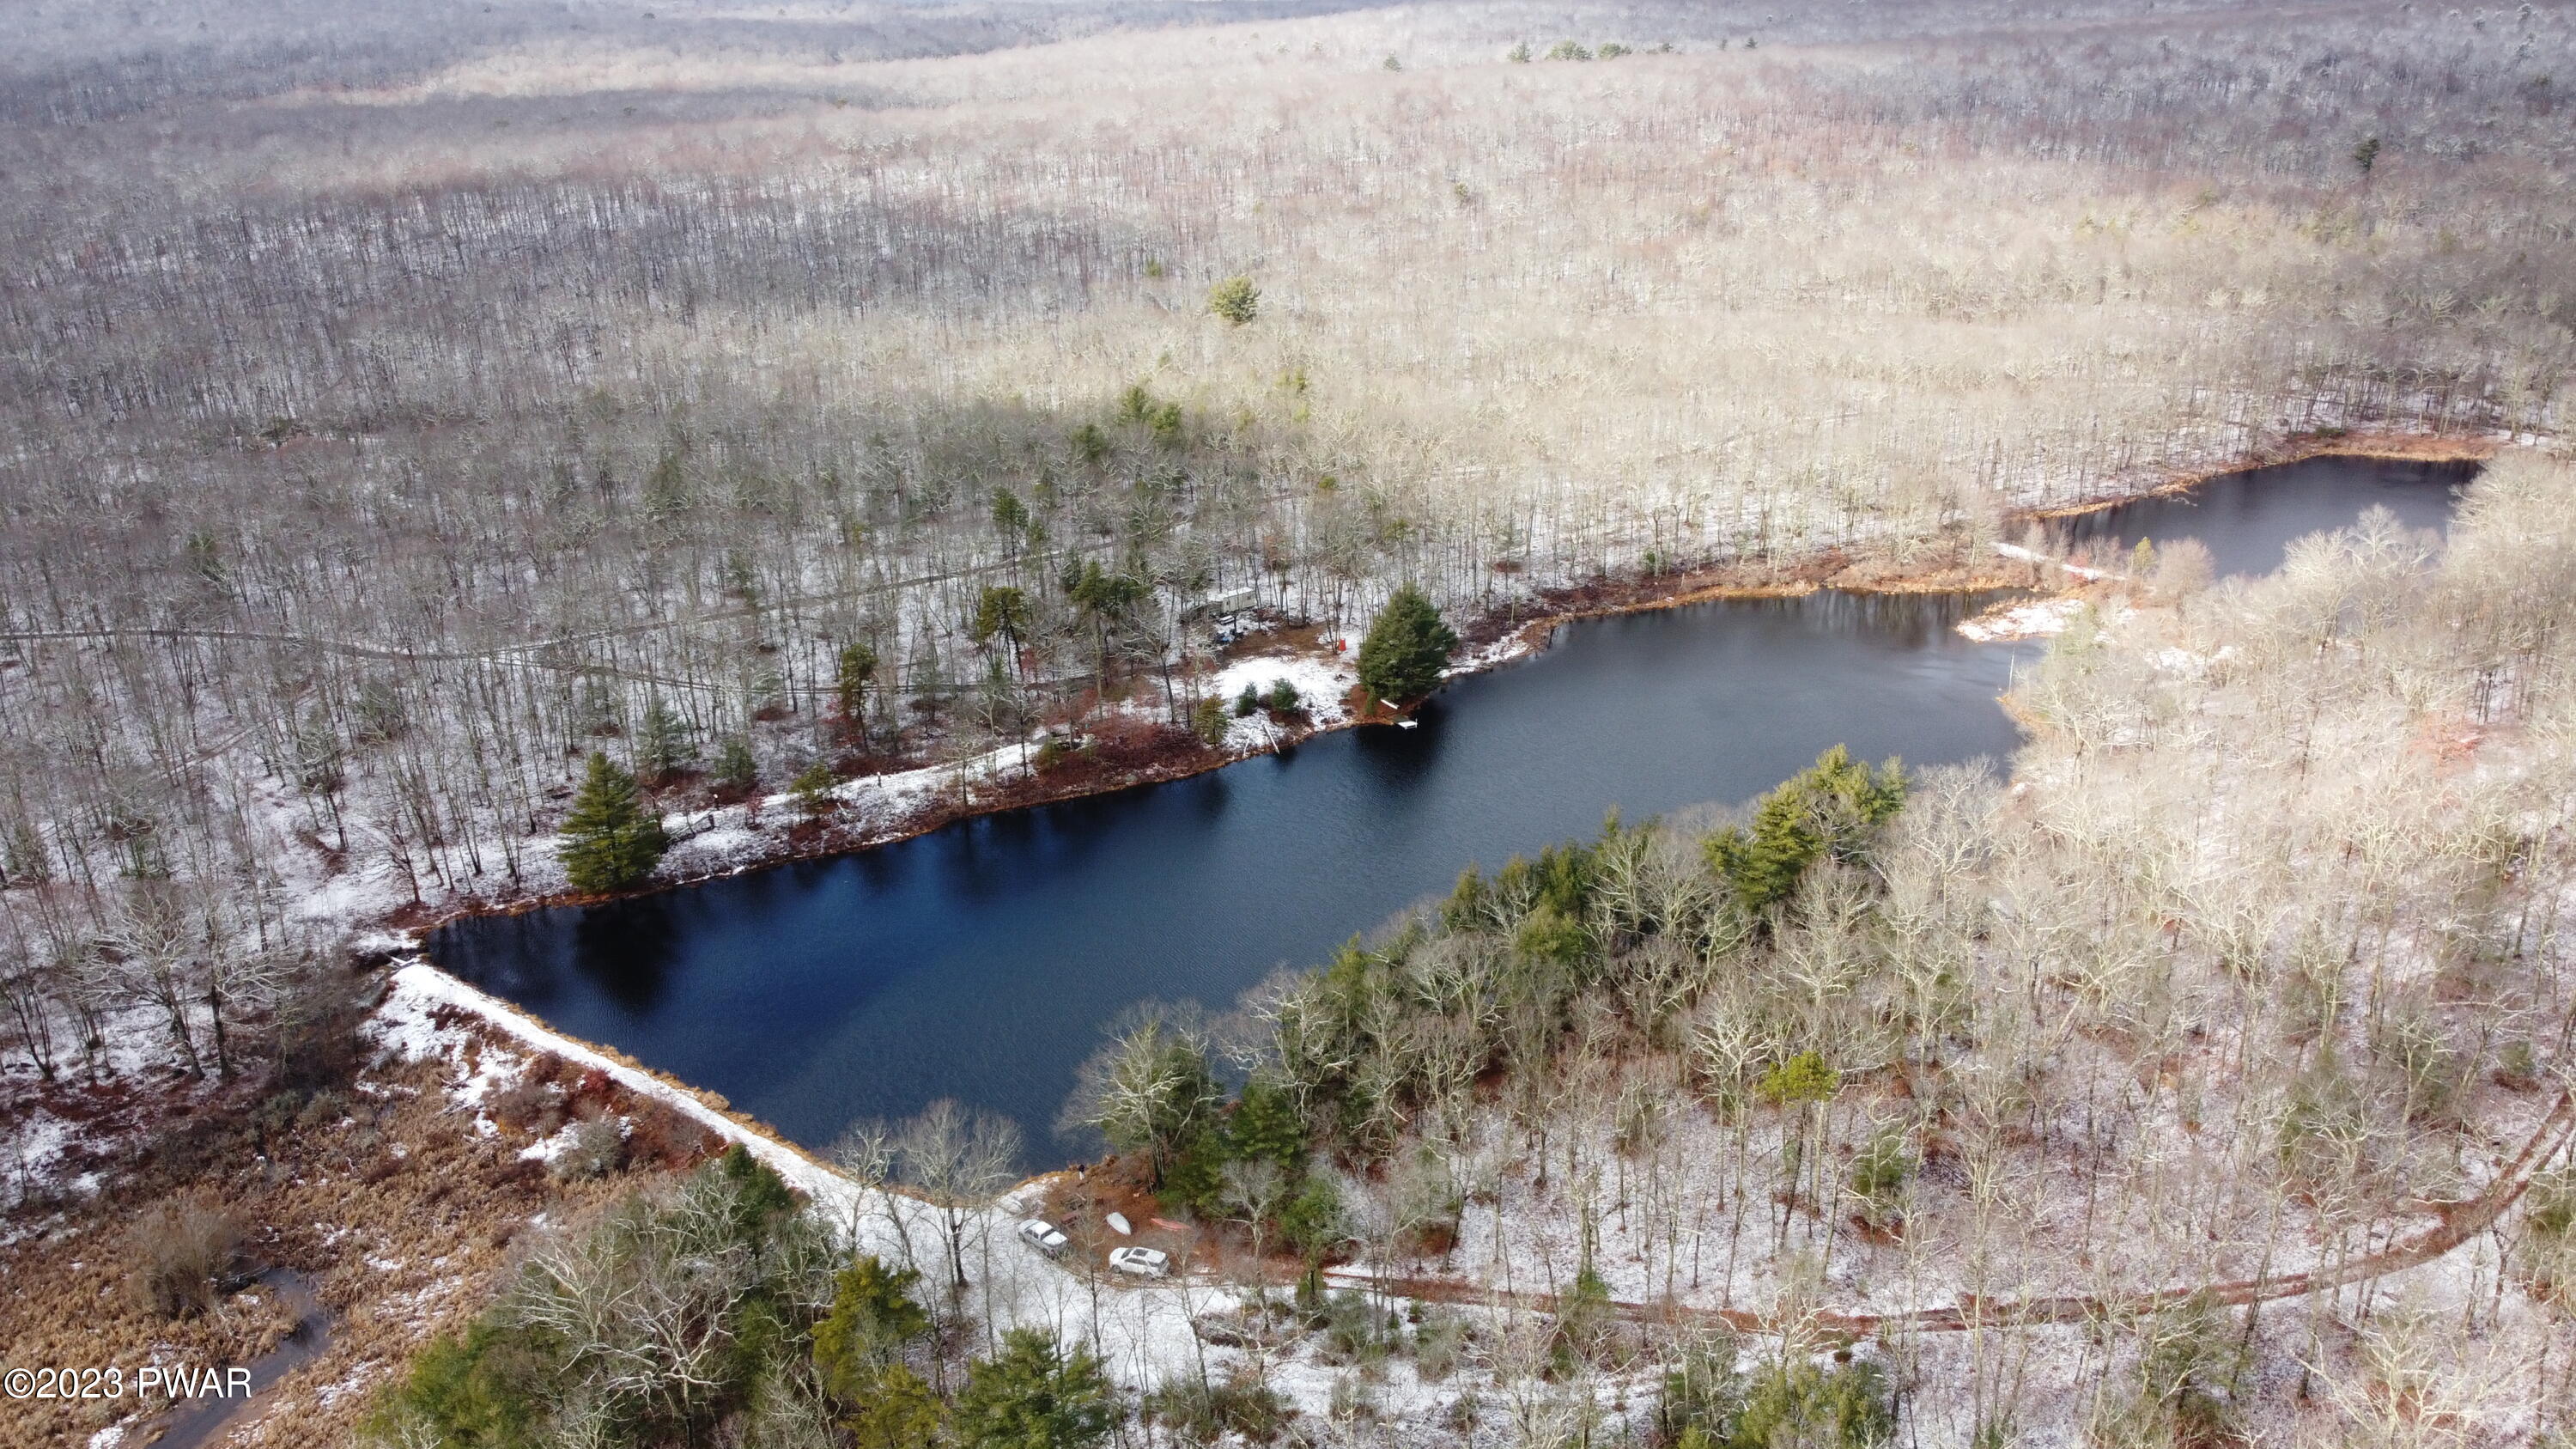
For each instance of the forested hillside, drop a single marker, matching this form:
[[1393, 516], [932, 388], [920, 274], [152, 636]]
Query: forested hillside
[[402, 406], [453, 453], [2206, 1084]]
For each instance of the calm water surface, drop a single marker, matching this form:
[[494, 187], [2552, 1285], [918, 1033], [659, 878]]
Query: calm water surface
[[982, 961], [2248, 519]]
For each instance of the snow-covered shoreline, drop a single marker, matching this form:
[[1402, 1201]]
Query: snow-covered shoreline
[[715, 842], [1145, 1332], [712, 843]]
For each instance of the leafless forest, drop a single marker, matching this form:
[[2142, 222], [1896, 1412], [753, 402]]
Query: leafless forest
[[2249, 990], [2205, 1085], [402, 403]]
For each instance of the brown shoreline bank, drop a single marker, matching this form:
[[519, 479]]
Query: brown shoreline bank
[[1180, 756], [2299, 448]]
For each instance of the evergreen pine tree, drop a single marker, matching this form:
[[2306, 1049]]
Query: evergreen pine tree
[[662, 746], [1830, 807], [1236, 300], [1406, 648], [666, 490], [1035, 1395], [1207, 721], [1266, 1125], [813, 789], [858, 1351], [1312, 1222], [874, 1314], [895, 1410], [1764, 862], [1000, 611], [610, 841], [736, 773], [1010, 516]]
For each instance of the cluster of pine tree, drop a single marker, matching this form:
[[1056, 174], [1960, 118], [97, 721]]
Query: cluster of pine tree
[[1828, 809], [1493, 981]]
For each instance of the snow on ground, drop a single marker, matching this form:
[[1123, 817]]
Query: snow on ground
[[35, 1150], [1142, 1330], [1518, 644], [871, 809], [406, 1025], [41, 1148], [547, 1149], [2034, 620], [2010, 550], [1520, 1238], [1322, 683]]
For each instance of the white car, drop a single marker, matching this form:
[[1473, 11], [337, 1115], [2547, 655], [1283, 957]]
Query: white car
[[1045, 1237], [1141, 1262]]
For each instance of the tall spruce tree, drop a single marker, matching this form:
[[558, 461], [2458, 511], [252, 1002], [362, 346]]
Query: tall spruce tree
[[1035, 1395], [737, 772], [662, 746], [610, 840], [1406, 648], [1830, 807]]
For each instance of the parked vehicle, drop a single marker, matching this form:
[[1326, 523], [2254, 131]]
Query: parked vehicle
[[1141, 1262], [1044, 1236]]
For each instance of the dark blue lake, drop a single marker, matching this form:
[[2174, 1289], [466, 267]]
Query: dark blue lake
[[983, 960]]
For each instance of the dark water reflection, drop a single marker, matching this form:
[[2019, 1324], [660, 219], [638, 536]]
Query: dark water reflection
[[981, 961], [2248, 519]]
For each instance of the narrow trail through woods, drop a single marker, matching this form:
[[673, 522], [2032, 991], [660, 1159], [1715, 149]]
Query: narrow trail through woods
[[2455, 1223], [191, 1422]]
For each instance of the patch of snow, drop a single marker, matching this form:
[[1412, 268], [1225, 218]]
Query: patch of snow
[[361, 1380], [1518, 644], [547, 1149], [1321, 682], [38, 1144], [2034, 620], [2026, 555], [420, 989]]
